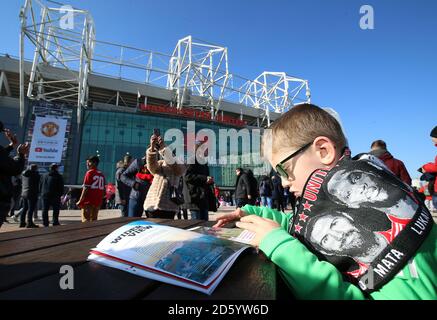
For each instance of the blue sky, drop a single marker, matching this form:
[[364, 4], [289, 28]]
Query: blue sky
[[382, 82]]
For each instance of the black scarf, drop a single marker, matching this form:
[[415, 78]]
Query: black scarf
[[362, 219]]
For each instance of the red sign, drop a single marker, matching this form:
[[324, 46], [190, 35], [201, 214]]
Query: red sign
[[192, 114]]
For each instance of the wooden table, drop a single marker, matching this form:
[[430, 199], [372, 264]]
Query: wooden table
[[30, 263]]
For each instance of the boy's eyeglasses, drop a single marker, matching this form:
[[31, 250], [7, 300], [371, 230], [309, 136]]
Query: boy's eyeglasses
[[280, 166]]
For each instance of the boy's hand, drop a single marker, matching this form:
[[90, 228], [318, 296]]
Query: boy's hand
[[260, 226], [229, 217]]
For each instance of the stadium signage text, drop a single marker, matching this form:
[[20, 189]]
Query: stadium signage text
[[192, 114]]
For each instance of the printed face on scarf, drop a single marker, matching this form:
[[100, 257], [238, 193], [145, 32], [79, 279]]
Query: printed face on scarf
[[337, 234], [356, 188]]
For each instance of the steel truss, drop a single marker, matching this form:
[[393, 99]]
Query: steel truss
[[63, 37], [199, 69], [197, 72]]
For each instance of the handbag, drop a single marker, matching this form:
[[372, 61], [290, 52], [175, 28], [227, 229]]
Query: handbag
[[176, 194]]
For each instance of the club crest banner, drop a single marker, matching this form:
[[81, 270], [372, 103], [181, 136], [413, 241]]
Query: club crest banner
[[47, 139]]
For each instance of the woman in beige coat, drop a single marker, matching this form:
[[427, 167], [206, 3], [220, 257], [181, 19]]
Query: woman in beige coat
[[166, 173]]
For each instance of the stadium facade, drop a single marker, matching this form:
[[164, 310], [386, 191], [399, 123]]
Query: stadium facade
[[113, 96]]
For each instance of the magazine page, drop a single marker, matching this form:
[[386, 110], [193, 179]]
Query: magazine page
[[164, 278], [172, 255], [234, 234]]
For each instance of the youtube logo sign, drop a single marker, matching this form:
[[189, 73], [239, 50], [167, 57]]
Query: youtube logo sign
[[38, 150]]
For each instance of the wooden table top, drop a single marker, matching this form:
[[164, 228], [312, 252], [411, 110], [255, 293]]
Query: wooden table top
[[30, 263]]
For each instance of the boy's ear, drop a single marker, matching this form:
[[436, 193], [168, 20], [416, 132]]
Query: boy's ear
[[325, 150]]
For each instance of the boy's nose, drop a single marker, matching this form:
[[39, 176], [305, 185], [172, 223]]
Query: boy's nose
[[337, 235]]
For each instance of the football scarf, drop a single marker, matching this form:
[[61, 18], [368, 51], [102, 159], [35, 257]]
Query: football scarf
[[362, 219]]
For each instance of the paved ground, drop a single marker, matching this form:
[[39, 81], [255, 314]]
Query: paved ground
[[73, 216]]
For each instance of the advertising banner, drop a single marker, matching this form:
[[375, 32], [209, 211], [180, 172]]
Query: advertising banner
[[47, 139]]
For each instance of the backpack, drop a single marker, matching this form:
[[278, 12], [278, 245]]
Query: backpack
[[265, 188]]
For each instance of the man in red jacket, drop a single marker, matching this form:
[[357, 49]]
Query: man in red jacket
[[379, 149], [432, 167]]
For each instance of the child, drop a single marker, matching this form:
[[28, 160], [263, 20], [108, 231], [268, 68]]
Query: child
[[358, 232]]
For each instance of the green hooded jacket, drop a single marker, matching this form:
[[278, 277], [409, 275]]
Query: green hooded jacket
[[309, 278]]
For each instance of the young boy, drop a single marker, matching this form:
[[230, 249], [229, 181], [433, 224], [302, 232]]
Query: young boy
[[93, 191], [358, 233]]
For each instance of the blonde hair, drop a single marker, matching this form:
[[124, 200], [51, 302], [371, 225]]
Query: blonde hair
[[302, 124]]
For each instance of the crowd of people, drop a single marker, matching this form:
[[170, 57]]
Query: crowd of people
[[158, 187], [21, 189], [356, 228], [152, 187], [31, 191]]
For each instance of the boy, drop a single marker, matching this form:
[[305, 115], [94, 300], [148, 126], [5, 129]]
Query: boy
[[330, 249], [93, 191]]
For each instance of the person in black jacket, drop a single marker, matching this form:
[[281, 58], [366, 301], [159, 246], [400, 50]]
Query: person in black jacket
[[139, 187], [243, 189], [51, 188], [9, 167], [30, 191], [16, 195], [253, 189], [197, 189], [122, 190], [265, 191], [277, 194]]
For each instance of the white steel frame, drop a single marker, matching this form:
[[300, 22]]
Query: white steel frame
[[199, 69], [56, 46], [197, 72]]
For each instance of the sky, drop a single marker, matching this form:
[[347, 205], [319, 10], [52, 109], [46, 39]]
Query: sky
[[382, 82]]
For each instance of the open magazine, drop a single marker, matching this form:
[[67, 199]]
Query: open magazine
[[193, 260], [234, 234]]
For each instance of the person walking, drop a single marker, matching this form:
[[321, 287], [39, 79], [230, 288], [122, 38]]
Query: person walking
[[52, 189], [9, 167], [426, 190], [30, 191], [286, 198], [195, 183], [379, 149], [93, 191], [253, 188], [277, 194], [138, 178], [122, 190], [431, 169], [16, 196], [243, 188], [165, 194], [217, 195], [183, 212], [265, 191]]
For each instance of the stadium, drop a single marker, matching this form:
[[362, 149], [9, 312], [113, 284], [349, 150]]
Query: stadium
[[111, 96]]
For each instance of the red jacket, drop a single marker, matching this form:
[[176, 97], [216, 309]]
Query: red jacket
[[397, 167], [431, 167]]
